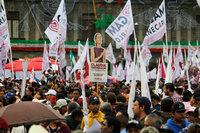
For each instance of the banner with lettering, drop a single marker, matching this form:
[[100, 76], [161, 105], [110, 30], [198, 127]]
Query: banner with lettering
[[157, 27], [122, 27], [98, 72]]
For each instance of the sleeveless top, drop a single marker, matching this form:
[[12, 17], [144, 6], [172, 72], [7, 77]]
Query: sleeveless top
[[97, 53]]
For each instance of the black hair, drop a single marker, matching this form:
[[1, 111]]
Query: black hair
[[170, 86], [166, 104], [11, 99], [27, 98], [156, 97], [31, 90], [60, 96], [76, 112], [121, 98], [113, 122], [111, 97]]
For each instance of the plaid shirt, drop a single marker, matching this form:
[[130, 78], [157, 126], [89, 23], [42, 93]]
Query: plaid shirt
[[176, 97]]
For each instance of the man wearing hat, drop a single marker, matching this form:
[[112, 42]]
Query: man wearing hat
[[95, 113], [177, 122], [133, 127], [49, 94], [141, 109]]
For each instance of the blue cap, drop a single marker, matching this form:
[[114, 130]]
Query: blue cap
[[8, 95]]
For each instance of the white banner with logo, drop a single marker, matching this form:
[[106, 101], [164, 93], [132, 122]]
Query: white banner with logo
[[157, 27], [98, 72]]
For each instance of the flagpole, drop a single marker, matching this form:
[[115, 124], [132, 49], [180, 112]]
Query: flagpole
[[11, 62], [166, 36]]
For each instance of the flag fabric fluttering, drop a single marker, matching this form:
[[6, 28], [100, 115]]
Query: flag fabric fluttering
[[191, 51], [4, 38], [62, 61], [56, 30], [146, 55], [157, 27], [82, 63], [80, 48], [72, 59], [45, 63], [122, 27], [168, 78], [120, 73], [162, 68], [109, 54], [165, 53]]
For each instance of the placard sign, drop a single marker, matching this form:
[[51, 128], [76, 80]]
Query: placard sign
[[98, 72]]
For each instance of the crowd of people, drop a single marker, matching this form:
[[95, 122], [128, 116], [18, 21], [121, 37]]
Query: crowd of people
[[173, 109]]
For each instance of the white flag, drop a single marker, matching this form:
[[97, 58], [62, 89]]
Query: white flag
[[120, 73], [165, 53], [157, 27], [122, 27], [179, 55], [191, 51], [114, 71], [25, 67], [58, 26], [84, 56], [109, 54], [80, 48], [32, 75], [4, 38], [157, 78], [168, 78], [45, 64], [144, 81], [152, 74], [62, 58], [146, 55], [4, 34]]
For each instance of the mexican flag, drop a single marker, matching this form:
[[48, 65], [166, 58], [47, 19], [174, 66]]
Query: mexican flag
[[73, 61]]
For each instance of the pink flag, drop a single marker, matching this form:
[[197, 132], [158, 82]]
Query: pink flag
[[45, 64], [157, 27]]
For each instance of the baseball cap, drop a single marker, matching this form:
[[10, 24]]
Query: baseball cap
[[51, 91], [133, 123], [93, 99], [61, 102], [178, 107], [8, 95]]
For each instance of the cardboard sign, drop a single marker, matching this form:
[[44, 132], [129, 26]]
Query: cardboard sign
[[98, 72]]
